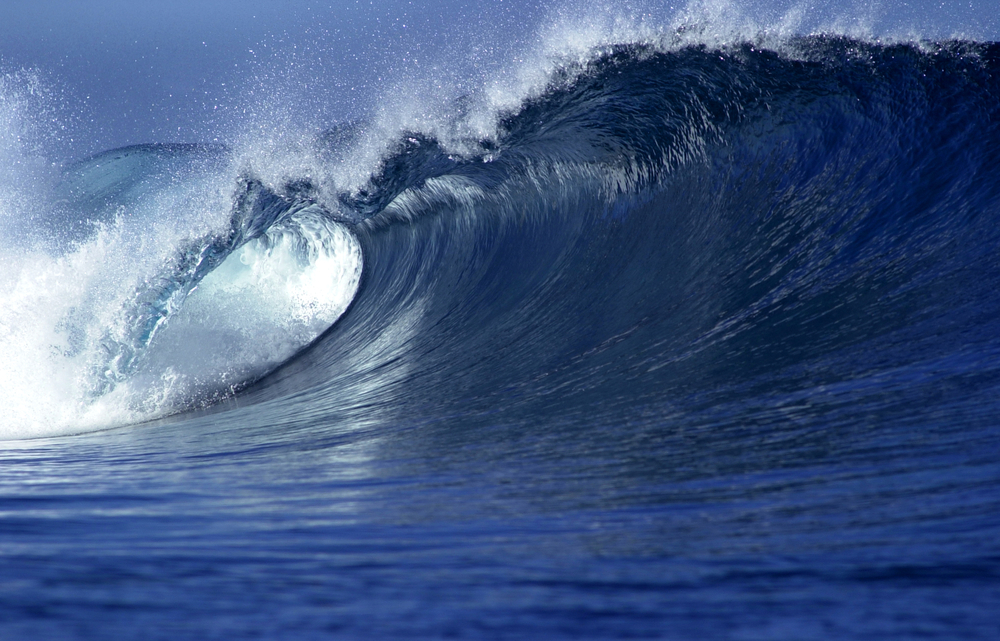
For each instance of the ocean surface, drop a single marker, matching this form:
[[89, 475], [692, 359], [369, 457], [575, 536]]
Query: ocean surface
[[665, 337]]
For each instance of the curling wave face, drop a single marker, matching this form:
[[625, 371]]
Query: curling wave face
[[659, 222], [670, 232]]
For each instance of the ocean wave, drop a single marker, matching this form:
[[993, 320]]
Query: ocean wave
[[718, 215], [657, 219]]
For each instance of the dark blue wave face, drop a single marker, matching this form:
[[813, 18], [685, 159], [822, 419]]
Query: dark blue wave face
[[703, 344], [686, 230]]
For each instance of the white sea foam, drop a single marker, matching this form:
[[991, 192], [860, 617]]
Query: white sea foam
[[63, 301], [264, 303]]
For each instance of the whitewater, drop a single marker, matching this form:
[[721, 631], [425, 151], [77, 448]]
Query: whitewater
[[657, 324]]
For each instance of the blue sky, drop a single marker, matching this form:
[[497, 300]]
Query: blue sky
[[133, 72]]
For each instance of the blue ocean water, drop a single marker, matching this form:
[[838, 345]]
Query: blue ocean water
[[671, 336]]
